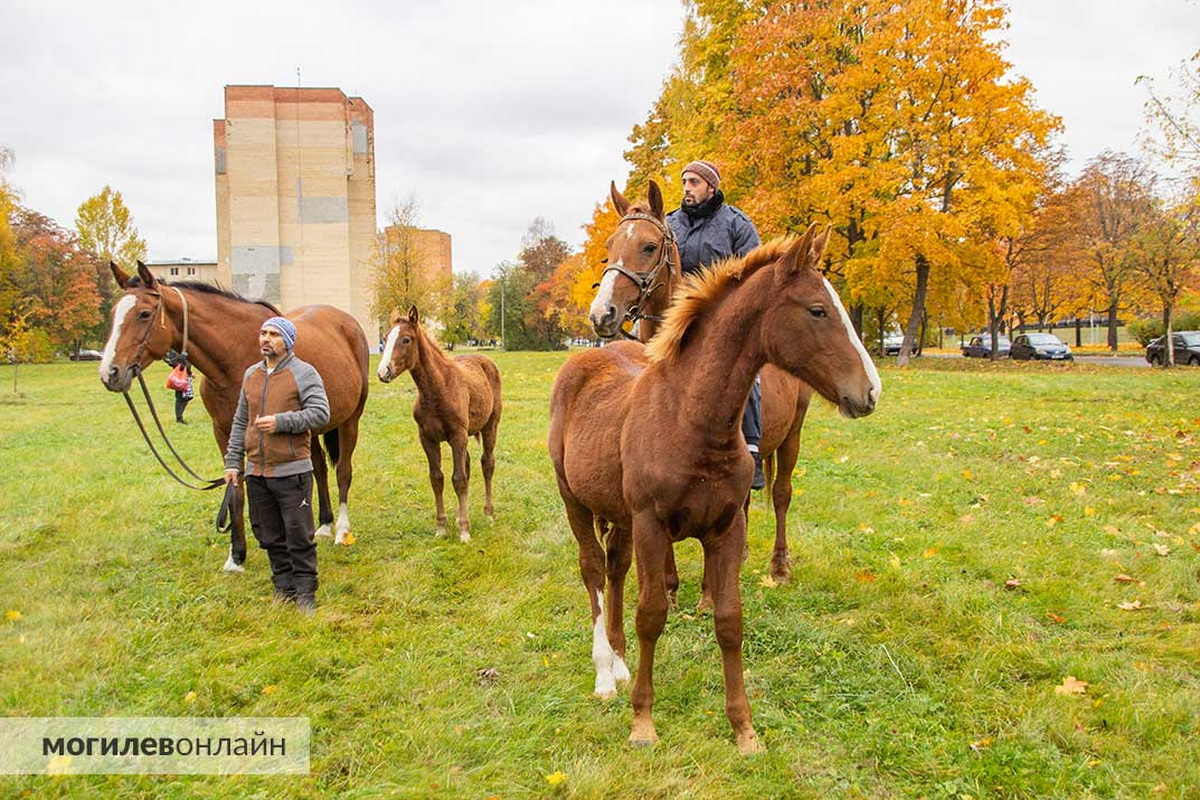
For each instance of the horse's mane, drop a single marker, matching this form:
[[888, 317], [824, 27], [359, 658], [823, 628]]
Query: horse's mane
[[703, 290], [208, 288]]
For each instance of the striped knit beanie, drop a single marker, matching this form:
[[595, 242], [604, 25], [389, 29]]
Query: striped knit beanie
[[706, 170], [286, 329]]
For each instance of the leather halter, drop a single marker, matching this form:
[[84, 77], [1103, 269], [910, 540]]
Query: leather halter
[[647, 282]]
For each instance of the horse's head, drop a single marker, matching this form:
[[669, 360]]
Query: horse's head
[[807, 331], [142, 328], [400, 349], [642, 265]]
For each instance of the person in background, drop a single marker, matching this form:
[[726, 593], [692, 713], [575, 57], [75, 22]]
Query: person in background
[[184, 396], [707, 230]]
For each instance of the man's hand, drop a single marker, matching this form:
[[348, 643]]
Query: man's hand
[[265, 424], [231, 476]]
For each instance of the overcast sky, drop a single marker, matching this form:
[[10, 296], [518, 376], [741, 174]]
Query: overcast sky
[[489, 113]]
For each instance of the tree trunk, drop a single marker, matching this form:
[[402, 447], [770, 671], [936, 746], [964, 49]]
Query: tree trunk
[[1168, 339], [1112, 326], [918, 310], [1078, 332]]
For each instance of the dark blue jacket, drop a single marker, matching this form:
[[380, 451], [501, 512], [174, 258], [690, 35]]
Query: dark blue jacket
[[706, 240]]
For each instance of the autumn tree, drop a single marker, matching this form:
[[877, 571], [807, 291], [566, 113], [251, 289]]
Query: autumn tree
[[1177, 114], [57, 279], [105, 228], [404, 273], [1115, 197], [463, 322], [1166, 257], [9, 255]]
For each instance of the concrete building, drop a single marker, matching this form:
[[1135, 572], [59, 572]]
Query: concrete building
[[185, 269], [295, 182], [433, 247]]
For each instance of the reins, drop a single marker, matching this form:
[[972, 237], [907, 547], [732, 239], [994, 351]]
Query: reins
[[647, 282], [205, 484]]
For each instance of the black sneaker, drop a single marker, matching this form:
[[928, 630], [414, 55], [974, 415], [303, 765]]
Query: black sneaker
[[760, 480]]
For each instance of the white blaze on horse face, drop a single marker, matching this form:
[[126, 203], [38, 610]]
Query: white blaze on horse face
[[120, 312], [629, 228], [868, 364], [385, 360], [604, 294]]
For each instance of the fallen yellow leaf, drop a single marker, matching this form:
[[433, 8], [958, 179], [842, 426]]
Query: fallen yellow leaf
[[555, 778], [1123, 578], [1071, 685], [12, 615], [348, 539], [768, 582], [270, 689], [1136, 605], [189, 698]]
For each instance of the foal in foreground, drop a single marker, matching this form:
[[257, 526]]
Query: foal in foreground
[[640, 282], [456, 399], [648, 439]]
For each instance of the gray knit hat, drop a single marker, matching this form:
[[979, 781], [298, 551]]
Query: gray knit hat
[[706, 170], [286, 329]]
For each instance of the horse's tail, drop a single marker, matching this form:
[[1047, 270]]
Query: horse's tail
[[769, 471], [332, 447]]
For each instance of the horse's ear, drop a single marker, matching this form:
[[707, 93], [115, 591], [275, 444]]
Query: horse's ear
[[797, 257], [119, 275], [413, 316], [819, 243], [148, 279], [656, 200], [619, 201]]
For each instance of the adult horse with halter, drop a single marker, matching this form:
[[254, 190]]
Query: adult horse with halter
[[638, 284], [218, 332], [647, 439], [456, 399]]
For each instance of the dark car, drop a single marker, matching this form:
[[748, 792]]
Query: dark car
[[981, 346], [1040, 347], [1187, 349], [86, 355]]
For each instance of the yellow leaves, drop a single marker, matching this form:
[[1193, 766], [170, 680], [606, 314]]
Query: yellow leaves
[[1055, 519], [189, 698], [865, 528], [347, 539], [1078, 488], [12, 615], [556, 778], [1135, 605], [966, 473], [1123, 578], [1071, 687], [1055, 618], [865, 576], [929, 552], [269, 690], [767, 582], [1161, 549], [981, 744]]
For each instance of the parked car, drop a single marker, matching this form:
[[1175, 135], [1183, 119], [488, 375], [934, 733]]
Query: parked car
[[86, 355], [1040, 347], [980, 346], [891, 344], [1187, 349]]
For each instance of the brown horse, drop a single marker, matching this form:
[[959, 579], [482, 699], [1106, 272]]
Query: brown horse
[[648, 439], [638, 284], [456, 399], [222, 342]]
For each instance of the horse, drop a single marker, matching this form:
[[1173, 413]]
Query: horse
[[638, 284], [218, 330], [456, 399], [648, 439]]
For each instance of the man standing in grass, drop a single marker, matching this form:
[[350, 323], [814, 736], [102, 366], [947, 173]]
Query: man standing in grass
[[283, 399]]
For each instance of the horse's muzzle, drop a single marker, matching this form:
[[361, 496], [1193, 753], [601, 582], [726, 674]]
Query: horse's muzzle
[[853, 408], [118, 379], [384, 373], [606, 323]]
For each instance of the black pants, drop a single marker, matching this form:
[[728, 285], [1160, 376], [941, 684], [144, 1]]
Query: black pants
[[752, 416], [282, 519], [180, 404]]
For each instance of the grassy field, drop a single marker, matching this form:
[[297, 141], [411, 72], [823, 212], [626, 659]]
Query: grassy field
[[989, 532]]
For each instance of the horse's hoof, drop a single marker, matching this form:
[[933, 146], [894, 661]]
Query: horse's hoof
[[440, 532], [605, 692], [705, 604], [619, 670], [781, 576], [464, 536], [232, 566], [325, 531], [643, 738], [748, 744]]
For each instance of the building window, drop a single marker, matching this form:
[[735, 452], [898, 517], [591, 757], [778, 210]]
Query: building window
[[191, 270], [174, 270]]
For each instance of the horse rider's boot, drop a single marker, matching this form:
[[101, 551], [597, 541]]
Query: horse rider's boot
[[760, 480]]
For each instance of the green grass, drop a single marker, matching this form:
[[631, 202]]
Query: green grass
[[897, 664]]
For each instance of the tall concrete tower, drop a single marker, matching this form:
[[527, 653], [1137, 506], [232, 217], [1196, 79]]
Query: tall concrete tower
[[295, 179]]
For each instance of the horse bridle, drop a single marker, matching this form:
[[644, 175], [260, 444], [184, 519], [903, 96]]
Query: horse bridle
[[646, 282], [160, 309]]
